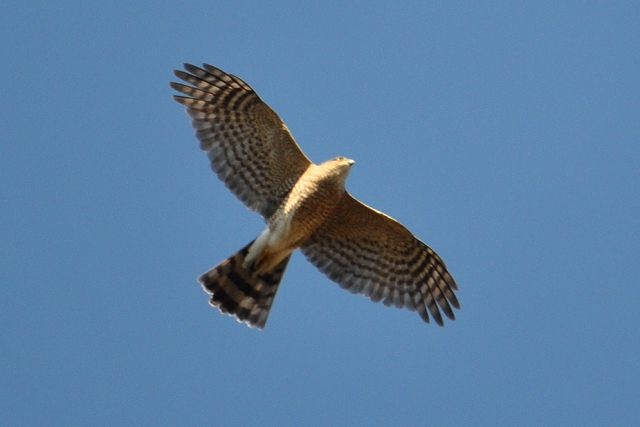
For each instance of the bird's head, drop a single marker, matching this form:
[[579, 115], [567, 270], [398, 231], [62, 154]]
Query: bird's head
[[337, 169]]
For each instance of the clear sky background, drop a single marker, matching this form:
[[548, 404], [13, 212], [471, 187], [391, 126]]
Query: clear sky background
[[505, 135]]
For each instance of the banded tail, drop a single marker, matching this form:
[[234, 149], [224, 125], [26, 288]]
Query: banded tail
[[239, 291]]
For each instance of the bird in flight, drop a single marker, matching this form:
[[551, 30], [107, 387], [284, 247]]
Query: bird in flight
[[306, 206]]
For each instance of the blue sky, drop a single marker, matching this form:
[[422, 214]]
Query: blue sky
[[504, 135]]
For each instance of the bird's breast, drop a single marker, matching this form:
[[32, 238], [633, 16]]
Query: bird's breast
[[310, 202]]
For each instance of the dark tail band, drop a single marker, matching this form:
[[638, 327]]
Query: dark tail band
[[239, 291]]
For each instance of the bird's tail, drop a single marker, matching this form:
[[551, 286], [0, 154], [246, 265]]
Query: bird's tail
[[241, 292]]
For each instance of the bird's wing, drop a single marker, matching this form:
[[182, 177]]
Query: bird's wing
[[249, 146], [370, 253]]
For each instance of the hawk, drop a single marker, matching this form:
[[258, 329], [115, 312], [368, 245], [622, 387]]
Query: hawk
[[305, 206]]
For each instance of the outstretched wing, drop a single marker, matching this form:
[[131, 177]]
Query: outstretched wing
[[370, 253], [250, 148]]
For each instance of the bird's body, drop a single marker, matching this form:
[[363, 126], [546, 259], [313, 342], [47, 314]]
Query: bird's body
[[306, 206], [310, 202]]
